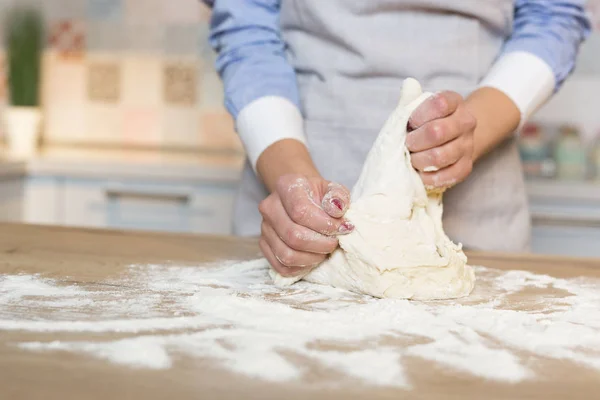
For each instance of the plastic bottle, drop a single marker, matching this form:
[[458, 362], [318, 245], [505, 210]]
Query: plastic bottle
[[595, 157], [570, 155], [533, 149]]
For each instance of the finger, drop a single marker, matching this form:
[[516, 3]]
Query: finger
[[287, 256], [277, 266], [336, 200], [438, 106], [299, 204], [433, 160], [293, 235], [449, 176], [435, 134]]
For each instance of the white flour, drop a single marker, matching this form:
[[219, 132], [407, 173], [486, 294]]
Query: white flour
[[232, 314]]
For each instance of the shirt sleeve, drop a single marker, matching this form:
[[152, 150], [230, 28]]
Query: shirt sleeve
[[260, 85], [541, 52]]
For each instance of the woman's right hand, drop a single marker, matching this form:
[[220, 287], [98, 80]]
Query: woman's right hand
[[302, 218]]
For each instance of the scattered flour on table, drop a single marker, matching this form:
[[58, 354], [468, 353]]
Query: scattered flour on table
[[231, 313]]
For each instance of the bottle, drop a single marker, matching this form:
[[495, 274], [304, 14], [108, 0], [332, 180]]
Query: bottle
[[595, 158], [570, 155], [533, 150]]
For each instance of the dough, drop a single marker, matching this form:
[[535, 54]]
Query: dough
[[398, 248]]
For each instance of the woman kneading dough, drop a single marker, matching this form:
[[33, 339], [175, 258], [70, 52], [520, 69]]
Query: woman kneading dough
[[312, 84]]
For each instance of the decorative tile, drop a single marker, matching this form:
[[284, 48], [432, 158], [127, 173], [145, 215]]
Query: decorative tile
[[64, 81], [218, 131], [104, 82], [182, 11], [142, 81], [180, 128], [211, 90], [104, 123], [105, 10], [145, 38], [209, 58], [204, 48], [64, 123], [141, 126], [147, 12], [105, 37], [64, 9], [205, 12], [181, 40], [68, 37], [180, 84]]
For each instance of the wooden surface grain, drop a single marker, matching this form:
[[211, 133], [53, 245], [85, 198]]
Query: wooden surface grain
[[88, 256]]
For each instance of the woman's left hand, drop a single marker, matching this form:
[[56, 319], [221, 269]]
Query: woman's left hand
[[441, 140]]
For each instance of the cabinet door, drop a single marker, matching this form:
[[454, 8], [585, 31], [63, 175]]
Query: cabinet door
[[568, 230], [11, 199], [202, 208], [212, 209], [574, 241], [566, 218], [42, 202]]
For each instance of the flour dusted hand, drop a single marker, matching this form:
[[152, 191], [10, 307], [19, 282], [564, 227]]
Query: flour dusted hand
[[441, 140], [398, 248], [301, 221]]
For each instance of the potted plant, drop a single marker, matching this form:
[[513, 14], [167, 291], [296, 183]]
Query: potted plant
[[24, 34]]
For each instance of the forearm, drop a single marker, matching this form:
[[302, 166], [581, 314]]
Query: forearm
[[535, 61], [260, 85], [497, 118], [288, 156]]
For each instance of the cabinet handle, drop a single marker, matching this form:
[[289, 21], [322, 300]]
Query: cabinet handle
[[166, 197], [566, 220]]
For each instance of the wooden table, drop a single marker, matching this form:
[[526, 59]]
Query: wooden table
[[89, 256]]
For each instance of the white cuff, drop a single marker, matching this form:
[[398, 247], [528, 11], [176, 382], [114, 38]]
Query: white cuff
[[525, 78], [267, 120]]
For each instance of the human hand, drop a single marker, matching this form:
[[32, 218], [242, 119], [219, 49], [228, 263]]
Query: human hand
[[441, 140], [301, 220]]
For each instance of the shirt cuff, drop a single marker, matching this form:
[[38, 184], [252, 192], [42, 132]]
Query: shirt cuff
[[525, 78], [268, 120]]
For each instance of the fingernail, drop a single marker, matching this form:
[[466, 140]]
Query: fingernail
[[338, 203], [346, 227]]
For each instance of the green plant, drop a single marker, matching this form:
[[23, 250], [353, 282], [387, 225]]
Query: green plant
[[24, 33]]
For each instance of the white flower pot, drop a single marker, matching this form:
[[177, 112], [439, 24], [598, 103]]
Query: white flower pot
[[22, 127]]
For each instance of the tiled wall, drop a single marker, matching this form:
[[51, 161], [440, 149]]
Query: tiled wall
[[140, 72], [132, 72]]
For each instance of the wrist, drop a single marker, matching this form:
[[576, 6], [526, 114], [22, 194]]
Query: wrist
[[497, 118], [524, 78], [265, 121], [284, 157]]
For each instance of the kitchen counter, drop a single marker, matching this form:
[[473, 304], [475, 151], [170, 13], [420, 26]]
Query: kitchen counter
[[127, 163], [102, 259]]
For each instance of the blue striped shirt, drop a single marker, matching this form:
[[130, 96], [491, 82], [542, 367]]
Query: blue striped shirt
[[251, 53]]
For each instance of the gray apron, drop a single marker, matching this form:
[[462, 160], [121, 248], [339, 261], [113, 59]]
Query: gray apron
[[351, 58]]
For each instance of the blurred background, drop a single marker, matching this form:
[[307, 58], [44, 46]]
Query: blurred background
[[128, 128]]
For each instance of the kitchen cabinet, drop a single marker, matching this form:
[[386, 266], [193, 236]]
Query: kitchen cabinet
[[42, 200], [11, 198], [195, 194], [161, 206], [119, 189], [565, 218]]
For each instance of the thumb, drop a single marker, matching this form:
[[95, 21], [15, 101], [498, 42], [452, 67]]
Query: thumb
[[336, 199]]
